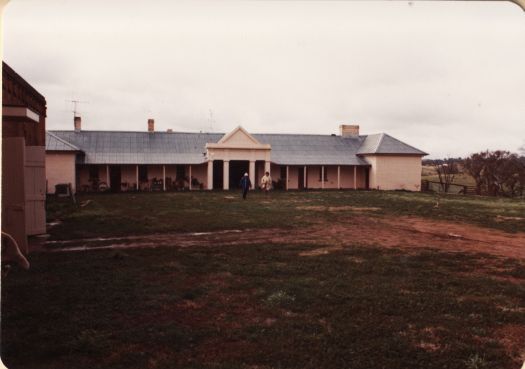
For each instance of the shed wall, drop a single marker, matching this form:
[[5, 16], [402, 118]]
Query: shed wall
[[60, 168]]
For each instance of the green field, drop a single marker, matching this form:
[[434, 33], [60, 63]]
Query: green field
[[268, 304]]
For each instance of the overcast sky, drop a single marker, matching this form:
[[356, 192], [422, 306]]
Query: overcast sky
[[446, 77]]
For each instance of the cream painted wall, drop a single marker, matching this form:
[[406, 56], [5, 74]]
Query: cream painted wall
[[313, 176], [331, 176], [60, 168], [395, 172], [293, 176], [347, 177]]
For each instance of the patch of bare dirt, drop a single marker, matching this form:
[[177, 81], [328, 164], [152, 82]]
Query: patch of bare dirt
[[512, 337], [411, 233], [501, 218], [321, 251], [338, 208]]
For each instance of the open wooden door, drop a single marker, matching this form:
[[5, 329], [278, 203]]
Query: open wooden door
[[13, 193], [35, 189]]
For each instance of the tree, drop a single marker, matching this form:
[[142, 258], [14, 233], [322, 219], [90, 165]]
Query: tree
[[497, 172], [474, 165], [446, 170]]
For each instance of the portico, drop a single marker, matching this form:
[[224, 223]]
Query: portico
[[240, 147]]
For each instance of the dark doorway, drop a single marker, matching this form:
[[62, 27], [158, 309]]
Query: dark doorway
[[237, 170], [259, 172], [300, 178], [367, 178], [218, 174], [115, 177], [181, 172]]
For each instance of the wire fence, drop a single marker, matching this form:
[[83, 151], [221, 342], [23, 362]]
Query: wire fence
[[453, 188]]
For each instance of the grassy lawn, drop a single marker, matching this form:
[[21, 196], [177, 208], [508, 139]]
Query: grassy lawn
[[143, 213], [265, 305]]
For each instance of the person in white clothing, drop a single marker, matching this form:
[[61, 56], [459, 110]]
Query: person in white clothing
[[266, 182]]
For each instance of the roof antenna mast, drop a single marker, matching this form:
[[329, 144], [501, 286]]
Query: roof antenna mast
[[211, 120], [75, 106]]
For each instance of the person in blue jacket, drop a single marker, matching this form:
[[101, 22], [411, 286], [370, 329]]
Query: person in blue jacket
[[246, 184]]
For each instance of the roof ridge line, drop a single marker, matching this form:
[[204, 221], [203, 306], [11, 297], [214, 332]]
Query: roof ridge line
[[208, 133], [115, 131], [381, 138]]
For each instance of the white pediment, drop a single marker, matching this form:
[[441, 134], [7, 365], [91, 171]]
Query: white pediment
[[239, 137]]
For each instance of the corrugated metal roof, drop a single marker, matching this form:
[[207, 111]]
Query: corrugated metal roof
[[385, 144], [54, 143], [116, 147], [291, 149]]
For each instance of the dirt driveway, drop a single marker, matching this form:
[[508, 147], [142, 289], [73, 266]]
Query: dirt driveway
[[409, 233]]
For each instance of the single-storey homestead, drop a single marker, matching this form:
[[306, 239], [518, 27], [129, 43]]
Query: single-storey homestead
[[124, 161]]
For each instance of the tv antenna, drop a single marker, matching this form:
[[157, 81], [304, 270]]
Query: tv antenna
[[211, 120], [75, 106]]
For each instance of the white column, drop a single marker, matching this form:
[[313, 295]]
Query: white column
[[251, 173], [108, 181], [163, 178], [339, 177], [305, 179], [287, 176], [190, 177], [226, 175], [355, 177], [267, 167], [210, 174], [137, 177], [322, 176]]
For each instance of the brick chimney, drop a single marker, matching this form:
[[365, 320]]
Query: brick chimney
[[151, 125], [78, 123], [349, 130]]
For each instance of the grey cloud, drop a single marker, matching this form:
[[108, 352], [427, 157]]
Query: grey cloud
[[445, 76]]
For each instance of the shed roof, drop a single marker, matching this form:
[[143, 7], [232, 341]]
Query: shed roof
[[118, 147], [55, 143]]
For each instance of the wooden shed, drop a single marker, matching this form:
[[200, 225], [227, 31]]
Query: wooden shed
[[23, 158]]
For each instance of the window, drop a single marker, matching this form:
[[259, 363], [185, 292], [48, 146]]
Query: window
[[283, 172], [143, 173], [93, 172], [325, 174]]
